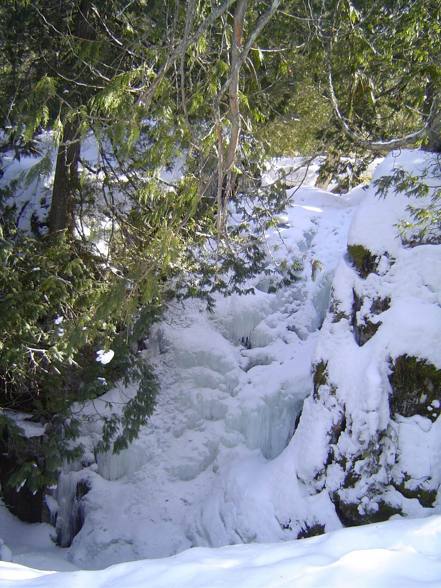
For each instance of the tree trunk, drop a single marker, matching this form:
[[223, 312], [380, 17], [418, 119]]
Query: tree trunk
[[326, 172], [434, 143], [226, 176], [434, 129], [66, 181]]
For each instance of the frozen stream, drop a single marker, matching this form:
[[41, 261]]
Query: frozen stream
[[213, 465], [218, 463]]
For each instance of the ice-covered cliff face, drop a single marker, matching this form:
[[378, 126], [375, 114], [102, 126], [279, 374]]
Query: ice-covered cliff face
[[212, 465]]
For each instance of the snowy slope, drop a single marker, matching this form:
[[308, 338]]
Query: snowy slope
[[30, 544], [396, 554]]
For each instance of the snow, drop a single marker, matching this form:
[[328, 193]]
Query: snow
[[293, 171], [374, 225], [354, 403], [27, 186], [29, 544], [242, 450], [24, 422], [399, 553], [104, 357]]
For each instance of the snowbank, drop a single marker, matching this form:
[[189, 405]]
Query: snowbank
[[399, 553]]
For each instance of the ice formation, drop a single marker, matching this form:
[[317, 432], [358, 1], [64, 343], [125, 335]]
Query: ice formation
[[213, 465]]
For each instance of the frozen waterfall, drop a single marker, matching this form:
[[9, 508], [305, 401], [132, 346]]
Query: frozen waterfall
[[213, 465]]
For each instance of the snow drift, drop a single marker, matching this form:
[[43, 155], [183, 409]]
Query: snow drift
[[396, 553]]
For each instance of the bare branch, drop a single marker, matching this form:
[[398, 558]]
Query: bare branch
[[261, 23], [373, 145], [112, 36], [189, 17], [147, 95]]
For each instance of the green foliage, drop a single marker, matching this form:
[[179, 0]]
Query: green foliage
[[416, 387], [41, 284], [122, 427], [44, 90], [57, 310], [299, 128], [41, 169], [364, 261], [425, 226]]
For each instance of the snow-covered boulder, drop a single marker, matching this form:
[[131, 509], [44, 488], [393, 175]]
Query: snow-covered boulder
[[370, 434]]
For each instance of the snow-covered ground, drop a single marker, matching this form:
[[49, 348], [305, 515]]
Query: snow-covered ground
[[29, 544], [222, 460], [396, 554]]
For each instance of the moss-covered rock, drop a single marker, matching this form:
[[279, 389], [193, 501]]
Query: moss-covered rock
[[351, 514], [380, 305], [364, 261], [335, 309], [416, 388], [365, 329], [425, 496], [337, 429], [311, 531], [320, 377]]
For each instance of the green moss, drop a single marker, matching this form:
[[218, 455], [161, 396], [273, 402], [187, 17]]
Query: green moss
[[365, 261], [320, 377], [425, 496], [416, 388], [311, 531], [350, 516]]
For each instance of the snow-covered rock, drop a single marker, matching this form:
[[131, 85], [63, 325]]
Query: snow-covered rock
[[369, 435]]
